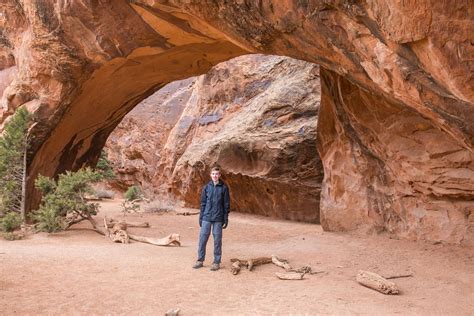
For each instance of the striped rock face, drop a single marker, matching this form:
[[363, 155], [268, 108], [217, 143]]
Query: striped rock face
[[254, 115], [396, 124]]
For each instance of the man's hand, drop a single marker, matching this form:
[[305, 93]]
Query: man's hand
[[224, 225]]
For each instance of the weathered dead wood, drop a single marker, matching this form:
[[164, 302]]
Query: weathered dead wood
[[398, 276], [120, 236], [170, 240], [110, 223], [118, 233], [282, 263], [187, 213], [376, 282], [305, 270], [172, 312], [251, 263], [290, 275], [235, 268]]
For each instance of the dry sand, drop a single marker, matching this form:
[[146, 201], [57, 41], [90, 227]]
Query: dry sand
[[80, 272]]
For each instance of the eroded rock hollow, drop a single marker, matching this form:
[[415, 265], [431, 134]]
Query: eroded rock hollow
[[81, 66], [255, 116]]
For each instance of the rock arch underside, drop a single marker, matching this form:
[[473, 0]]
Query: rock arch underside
[[396, 121]]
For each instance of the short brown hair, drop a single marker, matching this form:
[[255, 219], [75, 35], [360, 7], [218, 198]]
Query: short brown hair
[[216, 168]]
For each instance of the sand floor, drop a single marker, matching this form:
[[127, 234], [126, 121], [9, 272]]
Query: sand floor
[[80, 272]]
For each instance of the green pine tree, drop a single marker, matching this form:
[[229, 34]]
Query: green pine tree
[[104, 166], [13, 148]]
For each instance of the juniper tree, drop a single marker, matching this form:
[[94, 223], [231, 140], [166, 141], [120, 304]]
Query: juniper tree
[[104, 166], [64, 201], [13, 149]]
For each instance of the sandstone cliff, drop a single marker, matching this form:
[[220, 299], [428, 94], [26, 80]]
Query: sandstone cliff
[[255, 116], [80, 66]]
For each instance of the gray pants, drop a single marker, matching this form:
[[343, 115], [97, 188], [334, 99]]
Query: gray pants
[[204, 236]]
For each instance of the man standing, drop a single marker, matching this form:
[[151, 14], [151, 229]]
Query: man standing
[[215, 205]]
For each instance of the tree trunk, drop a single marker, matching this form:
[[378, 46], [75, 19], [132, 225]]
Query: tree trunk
[[23, 184], [376, 282]]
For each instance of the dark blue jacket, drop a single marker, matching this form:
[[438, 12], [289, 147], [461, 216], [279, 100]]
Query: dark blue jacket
[[215, 202]]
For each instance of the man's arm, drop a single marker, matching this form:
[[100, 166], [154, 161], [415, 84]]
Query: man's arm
[[226, 206], [203, 204]]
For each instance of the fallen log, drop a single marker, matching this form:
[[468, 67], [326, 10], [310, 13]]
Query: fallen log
[[290, 275], [170, 240], [250, 263], [282, 263], [376, 282]]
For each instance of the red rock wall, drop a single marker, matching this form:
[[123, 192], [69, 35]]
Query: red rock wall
[[387, 168], [255, 116], [80, 66]]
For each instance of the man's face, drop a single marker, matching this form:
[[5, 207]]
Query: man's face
[[215, 175]]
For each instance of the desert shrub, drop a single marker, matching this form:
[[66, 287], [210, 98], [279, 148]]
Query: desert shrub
[[133, 193], [10, 221], [158, 206], [12, 236], [63, 203], [104, 194]]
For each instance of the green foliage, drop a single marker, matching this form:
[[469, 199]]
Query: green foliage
[[13, 145], [12, 236], [104, 166], [64, 202], [10, 222], [133, 193], [48, 220]]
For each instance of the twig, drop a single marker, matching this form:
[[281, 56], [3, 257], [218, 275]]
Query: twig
[[398, 276]]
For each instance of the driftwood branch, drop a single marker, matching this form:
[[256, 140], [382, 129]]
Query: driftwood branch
[[118, 233], [110, 223], [376, 282], [282, 263], [172, 312], [235, 268], [187, 213], [248, 263], [170, 240], [290, 275]]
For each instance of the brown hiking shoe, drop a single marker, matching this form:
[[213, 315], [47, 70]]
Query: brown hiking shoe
[[197, 265], [215, 267]]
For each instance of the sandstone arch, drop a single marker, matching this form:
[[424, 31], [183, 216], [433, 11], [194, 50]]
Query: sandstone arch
[[395, 60]]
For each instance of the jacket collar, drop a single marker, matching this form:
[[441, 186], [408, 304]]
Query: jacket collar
[[218, 183]]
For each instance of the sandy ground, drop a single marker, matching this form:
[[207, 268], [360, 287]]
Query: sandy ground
[[80, 272]]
